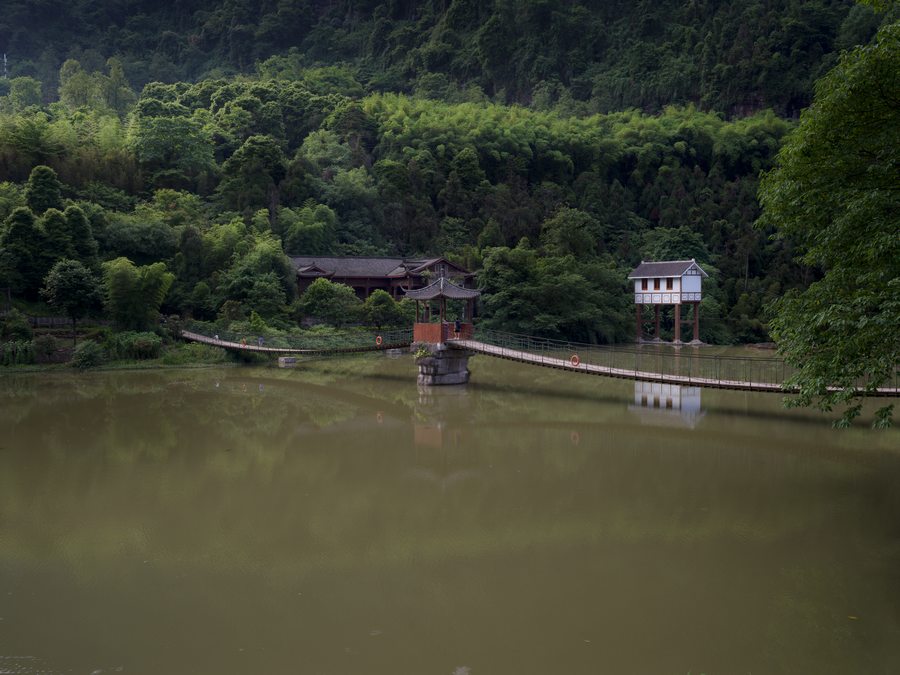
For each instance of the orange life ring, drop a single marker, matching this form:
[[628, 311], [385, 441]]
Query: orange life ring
[[378, 340], [574, 360]]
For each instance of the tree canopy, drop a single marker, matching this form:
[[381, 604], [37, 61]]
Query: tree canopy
[[836, 191], [73, 289], [580, 55]]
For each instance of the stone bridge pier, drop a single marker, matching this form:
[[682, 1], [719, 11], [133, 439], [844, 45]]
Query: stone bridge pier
[[442, 365]]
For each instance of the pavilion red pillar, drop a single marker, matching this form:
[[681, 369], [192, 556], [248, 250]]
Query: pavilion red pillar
[[656, 333], [638, 309], [677, 323], [697, 322]]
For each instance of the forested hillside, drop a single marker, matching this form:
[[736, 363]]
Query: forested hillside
[[213, 178], [584, 56]]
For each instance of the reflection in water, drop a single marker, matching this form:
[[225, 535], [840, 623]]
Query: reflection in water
[[336, 519], [667, 404], [435, 409], [441, 417]]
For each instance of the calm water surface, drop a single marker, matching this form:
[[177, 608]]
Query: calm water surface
[[336, 520]]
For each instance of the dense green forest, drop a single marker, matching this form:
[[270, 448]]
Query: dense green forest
[[395, 128], [583, 56]]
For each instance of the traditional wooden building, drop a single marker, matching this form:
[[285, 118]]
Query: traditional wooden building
[[671, 282], [364, 275]]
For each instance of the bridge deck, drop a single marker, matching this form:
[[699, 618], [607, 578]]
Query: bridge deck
[[250, 347], [626, 373]]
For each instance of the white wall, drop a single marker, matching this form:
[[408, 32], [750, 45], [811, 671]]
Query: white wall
[[691, 284]]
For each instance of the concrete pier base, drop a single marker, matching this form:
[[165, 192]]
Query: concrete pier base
[[442, 365]]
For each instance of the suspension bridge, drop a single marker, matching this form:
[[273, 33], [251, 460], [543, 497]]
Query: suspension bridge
[[311, 345], [685, 366]]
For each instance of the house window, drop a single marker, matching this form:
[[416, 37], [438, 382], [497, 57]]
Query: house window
[[443, 270], [643, 284], [656, 284], [669, 284]]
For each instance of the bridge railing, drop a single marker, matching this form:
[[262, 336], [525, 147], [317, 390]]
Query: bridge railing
[[349, 340], [684, 362]]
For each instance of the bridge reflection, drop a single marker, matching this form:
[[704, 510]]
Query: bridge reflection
[[667, 404]]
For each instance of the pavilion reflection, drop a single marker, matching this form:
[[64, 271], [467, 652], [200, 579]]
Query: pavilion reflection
[[444, 455], [437, 411], [667, 404]]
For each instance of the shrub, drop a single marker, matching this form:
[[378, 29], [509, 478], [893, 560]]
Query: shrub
[[88, 355], [45, 348], [170, 327], [15, 326], [16, 352], [97, 333], [257, 325], [134, 345], [192, 353]]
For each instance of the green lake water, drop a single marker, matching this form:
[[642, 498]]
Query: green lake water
[[336, 519]]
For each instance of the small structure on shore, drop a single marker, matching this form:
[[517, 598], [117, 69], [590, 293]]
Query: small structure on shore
[[442, 365], [669, 282]]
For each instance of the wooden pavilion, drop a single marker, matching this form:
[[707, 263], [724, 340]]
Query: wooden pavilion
[[442, 290]]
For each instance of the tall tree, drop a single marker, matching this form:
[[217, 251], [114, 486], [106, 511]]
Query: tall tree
[[380, 309], [117, 94], [174, 149], [22, 244], [24, 92], [251, 176], [73, 289], [77, 88], [80, 231], [334, 303], [58, 240], [133, 295], [43, 190], [836, 192]]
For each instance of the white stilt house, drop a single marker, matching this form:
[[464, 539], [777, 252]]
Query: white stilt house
[[670, 282]]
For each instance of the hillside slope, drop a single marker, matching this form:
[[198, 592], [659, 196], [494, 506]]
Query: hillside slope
[[582, 55]]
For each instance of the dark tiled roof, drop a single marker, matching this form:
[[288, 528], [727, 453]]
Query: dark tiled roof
[[420, 265], [668, 268], [443, 288], [349, 267], [359, 267]]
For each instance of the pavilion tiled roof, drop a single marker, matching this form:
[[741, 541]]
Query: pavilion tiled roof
[[443, 288], [668, 268]]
